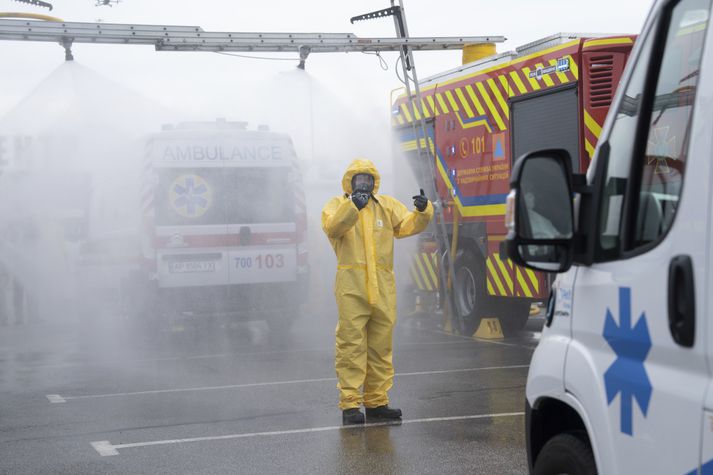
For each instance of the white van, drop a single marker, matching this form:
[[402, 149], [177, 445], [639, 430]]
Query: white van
[[622, 379], [223, 225]]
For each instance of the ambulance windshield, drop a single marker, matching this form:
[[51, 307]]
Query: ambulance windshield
[[206, 196]]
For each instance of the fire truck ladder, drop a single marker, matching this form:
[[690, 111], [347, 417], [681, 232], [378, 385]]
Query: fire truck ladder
[[194, 38], [415, 103]]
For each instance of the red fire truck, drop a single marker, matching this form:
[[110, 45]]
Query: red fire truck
[[482, 116]]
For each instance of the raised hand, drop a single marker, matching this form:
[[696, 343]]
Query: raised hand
[[360, 199], [420, 201]]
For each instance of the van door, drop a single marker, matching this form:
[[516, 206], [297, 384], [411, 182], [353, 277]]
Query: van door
[[638, 358], [191, 229], [261, 214]]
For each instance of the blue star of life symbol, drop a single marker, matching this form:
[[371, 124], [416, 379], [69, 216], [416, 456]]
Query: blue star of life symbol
[[627, 375], [190, 195]]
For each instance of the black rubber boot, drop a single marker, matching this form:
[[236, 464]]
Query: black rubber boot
[[383, 413], [352, 417]]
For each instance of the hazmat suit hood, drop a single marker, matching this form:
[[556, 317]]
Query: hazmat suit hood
[[360, 165]]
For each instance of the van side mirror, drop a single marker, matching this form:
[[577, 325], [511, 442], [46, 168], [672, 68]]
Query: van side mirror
[[540, 212]]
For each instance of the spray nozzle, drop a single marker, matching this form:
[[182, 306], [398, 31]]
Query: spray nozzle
[[67, 45]]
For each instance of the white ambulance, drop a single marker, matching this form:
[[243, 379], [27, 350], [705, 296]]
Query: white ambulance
[[224, 225], [622, 379]]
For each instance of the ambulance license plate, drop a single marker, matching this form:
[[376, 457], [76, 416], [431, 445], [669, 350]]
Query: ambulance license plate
[[183, 267]]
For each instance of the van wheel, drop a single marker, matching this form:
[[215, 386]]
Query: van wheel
[[565, 454], [279, 325], [140, 313], [514, 316], [469, 290]]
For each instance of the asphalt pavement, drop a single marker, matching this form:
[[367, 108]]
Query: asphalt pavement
[[221, 398]]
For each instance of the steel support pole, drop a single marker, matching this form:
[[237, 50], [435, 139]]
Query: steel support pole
[[415, 101]]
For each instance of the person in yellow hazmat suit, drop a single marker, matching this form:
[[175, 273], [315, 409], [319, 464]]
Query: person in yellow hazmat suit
[[361, 226]]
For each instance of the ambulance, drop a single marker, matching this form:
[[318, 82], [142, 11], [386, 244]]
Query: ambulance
[[621, 381], [223, 226]]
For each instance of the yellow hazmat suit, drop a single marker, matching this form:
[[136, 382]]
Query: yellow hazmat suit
[[365, 288]]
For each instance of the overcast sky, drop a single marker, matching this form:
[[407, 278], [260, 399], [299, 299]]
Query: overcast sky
[[199, 82]]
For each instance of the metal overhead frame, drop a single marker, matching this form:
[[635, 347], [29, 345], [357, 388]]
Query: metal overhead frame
[[194, 38]]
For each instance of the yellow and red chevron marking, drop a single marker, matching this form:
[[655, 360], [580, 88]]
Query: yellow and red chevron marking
[[481, 98], [411, 145], [592, 131], [424, 271], [609, 42], [527, 283], [504, 279], [499, 276], [594, 116]]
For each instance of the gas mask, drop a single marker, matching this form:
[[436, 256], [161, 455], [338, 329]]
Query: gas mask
[[363, 182]]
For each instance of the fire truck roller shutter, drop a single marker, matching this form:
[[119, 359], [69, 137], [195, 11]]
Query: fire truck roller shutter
[[543, 121], [540, 121]]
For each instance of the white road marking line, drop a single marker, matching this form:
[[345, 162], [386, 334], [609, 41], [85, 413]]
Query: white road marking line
[[204, 388], [271, 383], [105, 448], [56, 398], [397, 345], [494, 342], [227, 355], [502, 343], [166, 358], [467, 370]]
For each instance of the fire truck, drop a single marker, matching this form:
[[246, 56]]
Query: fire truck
[[479, 118], [223, 227]]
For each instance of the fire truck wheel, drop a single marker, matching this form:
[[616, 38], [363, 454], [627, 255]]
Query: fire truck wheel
[[514, 315], [469, 289], [565, 453]]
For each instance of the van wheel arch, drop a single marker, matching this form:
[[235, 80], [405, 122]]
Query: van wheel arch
[[547, 419]]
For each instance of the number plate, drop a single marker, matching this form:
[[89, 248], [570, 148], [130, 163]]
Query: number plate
[[273, 264], [182, 267]]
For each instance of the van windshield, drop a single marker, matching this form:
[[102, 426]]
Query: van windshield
[[205, 196]]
